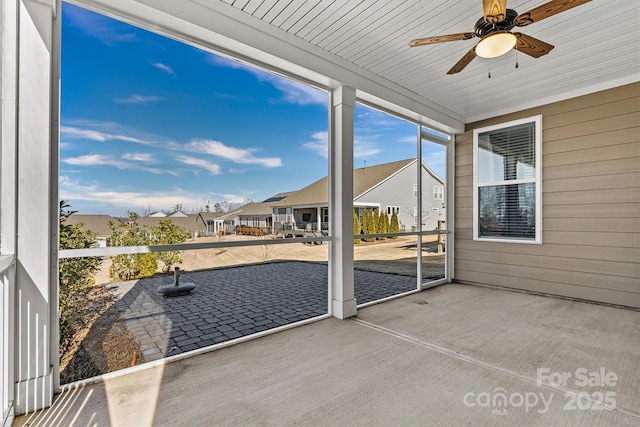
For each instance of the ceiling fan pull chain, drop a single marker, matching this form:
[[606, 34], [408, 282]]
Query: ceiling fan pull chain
[[516, 56], [489, 68]]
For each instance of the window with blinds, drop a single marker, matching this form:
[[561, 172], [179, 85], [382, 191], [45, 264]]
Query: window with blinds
[[507, 181]]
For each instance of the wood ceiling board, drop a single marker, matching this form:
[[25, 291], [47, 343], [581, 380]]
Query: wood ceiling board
[[595, 43]]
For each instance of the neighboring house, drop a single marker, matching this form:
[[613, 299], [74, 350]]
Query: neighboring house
[[210, 223], [99, 224], [218, 223], [178, 214], [161, 214], [258, 214], [186, 221], [389, 187]]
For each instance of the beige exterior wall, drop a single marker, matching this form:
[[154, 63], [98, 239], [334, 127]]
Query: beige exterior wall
[[591, 204]]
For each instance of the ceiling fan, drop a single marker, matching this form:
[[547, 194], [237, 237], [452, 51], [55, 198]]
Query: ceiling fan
[[494, 31]]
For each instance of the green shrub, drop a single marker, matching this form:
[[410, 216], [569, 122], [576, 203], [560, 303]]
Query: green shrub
[[375, 218], [166, 233], [356, 228], [394, 226], [76, 275], [128, 232], [383, 224], [367, 224]]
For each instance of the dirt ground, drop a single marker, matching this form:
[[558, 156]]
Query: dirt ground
[[105, 345], [391, 251]]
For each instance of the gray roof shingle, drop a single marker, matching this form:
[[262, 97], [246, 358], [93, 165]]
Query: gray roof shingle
[[364, 179]]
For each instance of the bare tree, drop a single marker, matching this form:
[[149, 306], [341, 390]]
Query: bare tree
[[221, 207], [413, 213], [145, 211]]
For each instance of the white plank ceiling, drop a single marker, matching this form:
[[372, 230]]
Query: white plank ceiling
[[597, 46]]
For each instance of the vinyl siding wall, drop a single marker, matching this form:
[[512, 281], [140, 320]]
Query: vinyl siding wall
[[398, 191], [591, 204]]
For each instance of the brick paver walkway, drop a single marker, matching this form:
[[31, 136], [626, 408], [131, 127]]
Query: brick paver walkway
[[233, 302]]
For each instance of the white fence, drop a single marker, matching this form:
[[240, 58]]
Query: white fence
[[7, 276]]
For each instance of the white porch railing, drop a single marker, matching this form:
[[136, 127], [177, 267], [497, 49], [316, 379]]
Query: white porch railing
[[7, 277]]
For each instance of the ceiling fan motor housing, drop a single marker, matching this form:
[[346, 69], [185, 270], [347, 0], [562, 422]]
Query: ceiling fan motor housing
[[483, 29]]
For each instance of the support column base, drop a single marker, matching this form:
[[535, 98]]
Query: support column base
[[34, 394], [343, 309]]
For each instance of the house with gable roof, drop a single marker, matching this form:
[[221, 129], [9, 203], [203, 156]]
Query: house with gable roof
[[211, 223], [258, 215], [389, 187], [97, 223]]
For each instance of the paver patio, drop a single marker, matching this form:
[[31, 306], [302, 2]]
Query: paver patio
[[229, 303]]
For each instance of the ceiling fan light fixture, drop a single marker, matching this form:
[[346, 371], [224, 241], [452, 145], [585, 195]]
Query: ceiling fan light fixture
[[496, 45]]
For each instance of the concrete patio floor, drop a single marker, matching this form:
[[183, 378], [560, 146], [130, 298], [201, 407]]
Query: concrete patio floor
[[444, 356]]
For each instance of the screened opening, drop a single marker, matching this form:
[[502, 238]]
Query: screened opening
[[163, 143]]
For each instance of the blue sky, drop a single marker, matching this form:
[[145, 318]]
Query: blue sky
[[148, 122]]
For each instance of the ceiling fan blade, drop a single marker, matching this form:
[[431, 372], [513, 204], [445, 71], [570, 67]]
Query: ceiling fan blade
[[463, 62], [546, 10], [441, 39], [531, 46], [494, 10]]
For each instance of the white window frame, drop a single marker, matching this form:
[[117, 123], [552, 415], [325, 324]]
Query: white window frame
[[438, 192], [415, 191], [537, 180]]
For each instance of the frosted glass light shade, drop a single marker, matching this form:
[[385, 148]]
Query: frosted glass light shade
[[495, 45]]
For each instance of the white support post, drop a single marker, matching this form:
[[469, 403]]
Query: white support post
[[343, 101], [419, 208], [8, 211], [36, 350]]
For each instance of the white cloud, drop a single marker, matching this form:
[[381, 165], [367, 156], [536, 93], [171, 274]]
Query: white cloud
[[137, 99], [298, 93], [232, 198], [139, 157], [91, 160], [368, 118], [162, 67], [293, 92], [213, 168], [238, 155], [108, 160], [232, 63], [361, 148], [104, 29], [72, 190], [236, 171], [435, 157], [102, 132], [409, 139], [319, 145], [96, 135]]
